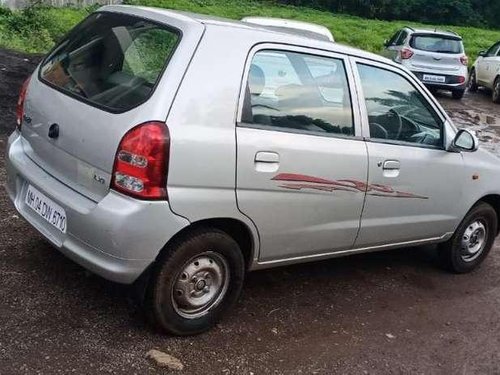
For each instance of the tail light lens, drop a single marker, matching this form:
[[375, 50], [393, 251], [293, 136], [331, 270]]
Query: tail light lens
[[20, 103], [464, 60], [406, 54], [461, 79], [141, 162]]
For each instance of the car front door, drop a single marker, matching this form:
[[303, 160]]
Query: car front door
[[301, 165], [487, 66], [414, 183]]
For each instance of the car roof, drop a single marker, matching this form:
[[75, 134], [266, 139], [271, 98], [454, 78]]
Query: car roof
[[434, 32], [292, 36]]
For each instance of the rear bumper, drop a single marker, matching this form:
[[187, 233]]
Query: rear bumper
[[116, 238], [452, 82]]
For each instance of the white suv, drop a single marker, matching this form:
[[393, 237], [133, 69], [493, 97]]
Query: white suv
[[486, 72], [436, 57], [179, 151]]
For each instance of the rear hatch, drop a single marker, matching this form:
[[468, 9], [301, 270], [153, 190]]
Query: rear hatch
[[435, 52], [103, 79]]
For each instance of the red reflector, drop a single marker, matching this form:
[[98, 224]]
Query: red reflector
[[141, 162], [406, 54], [20, 103]]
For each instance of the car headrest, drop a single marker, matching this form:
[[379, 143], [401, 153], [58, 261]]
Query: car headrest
[[256, 80]]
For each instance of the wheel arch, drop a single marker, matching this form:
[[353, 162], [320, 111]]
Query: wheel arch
[[494, 201], [235, 228]]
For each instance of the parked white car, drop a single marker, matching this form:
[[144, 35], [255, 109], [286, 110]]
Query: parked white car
[[436, 57], [486, 72]]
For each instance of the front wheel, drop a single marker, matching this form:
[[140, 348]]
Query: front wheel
[[472, 84], [496, 91], [195, 281], [472, 241]]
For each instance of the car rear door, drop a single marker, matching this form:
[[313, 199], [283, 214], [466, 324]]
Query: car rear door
[[107, 76], [414, 183], [395, 44], [301, 163]]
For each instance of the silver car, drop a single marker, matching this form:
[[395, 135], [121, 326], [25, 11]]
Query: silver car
[[436, 57], [179, 151]]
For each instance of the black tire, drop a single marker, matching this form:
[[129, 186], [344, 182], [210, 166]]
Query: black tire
[[472, 84], [452, 253], [177, 266], [496, 91], [458, 94]]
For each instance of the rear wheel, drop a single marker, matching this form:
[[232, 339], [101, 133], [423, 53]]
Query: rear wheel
[[472, 241], [195, 282], [496, 91], [472, 85], [458, 94]]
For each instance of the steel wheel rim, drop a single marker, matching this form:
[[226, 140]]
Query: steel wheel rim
[[201, 285], [474, 241]]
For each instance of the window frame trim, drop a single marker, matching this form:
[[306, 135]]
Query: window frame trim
[[419, 86], [274, 46]]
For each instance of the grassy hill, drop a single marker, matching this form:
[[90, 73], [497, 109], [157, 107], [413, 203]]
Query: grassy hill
[[37, 30]]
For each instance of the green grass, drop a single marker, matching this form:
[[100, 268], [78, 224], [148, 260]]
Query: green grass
[[49, 24]]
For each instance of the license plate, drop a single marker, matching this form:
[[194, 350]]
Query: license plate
[[431, 78], [46, 208]]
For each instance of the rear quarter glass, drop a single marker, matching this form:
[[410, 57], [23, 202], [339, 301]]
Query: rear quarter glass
[[112, 61]]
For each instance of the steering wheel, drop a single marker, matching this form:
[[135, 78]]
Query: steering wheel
[[400, 122], [265, 106], [384, 134]]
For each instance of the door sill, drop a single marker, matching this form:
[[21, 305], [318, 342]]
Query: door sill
[[340, 253]]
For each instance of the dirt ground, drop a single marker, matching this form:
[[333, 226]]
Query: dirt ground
[[387, 313]]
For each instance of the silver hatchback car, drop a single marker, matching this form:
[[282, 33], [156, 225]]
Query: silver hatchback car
[[436, 57], [179, 151]]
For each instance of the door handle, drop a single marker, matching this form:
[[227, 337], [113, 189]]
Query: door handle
[[391, 165], [267, 157], [266, 161]]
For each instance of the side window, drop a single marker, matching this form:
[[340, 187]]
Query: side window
[[402, 37], [493, 50], [395, 37], [299, 92], [397, 111]]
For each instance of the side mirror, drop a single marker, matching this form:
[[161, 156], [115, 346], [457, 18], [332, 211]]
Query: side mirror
[[483, 53], [386, 43], [465, 141]]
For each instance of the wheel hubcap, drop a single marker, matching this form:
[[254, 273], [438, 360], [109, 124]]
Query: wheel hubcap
[[473, 241], [201, 285]]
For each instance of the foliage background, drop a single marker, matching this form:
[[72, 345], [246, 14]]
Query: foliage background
[[36, 29]]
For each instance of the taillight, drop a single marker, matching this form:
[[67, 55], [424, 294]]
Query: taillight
[[464, 60], [461, 79], [20, 103], [406, 54], [141, 162]]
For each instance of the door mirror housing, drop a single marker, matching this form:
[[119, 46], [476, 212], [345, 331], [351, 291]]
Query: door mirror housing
[[386, 43], [483, 53], [466, 141]]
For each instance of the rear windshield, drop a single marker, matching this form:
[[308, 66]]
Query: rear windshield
[[111, 60], [436, 43]]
